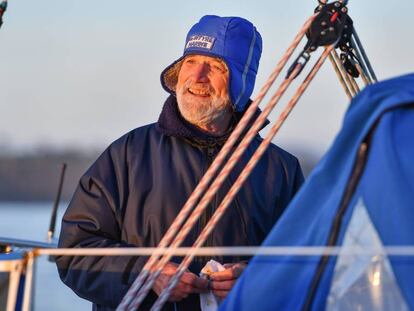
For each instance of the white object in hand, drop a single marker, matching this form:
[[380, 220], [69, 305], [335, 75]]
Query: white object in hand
[[209, 302]]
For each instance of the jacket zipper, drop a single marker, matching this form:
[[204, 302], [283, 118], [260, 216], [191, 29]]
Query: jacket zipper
[[208, 212]]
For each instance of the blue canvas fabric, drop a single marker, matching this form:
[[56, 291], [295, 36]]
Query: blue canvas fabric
[[234, 40], [386, 188]]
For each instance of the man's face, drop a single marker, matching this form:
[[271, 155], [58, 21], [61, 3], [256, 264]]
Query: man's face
[[202, 92]]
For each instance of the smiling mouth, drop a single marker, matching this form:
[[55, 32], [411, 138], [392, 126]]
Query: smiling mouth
[[199, 92]]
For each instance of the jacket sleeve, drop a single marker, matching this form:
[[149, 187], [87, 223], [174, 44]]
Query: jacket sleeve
[[94, 219]]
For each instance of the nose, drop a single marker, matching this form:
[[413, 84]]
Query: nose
[[201, 72]]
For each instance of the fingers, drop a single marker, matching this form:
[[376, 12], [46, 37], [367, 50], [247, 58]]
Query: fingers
[[187, 277], [222, 285], [180, 291], [221, 289], [189, 283], [170, 268], [232, 271], [222, 275], [196, 282], [222, 282]]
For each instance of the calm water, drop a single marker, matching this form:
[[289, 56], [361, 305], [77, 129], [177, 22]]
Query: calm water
[[30, 221]]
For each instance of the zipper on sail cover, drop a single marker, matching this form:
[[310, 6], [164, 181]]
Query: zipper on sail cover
[[337, 223]]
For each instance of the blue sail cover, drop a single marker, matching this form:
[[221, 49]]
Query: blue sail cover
[[380, 213]]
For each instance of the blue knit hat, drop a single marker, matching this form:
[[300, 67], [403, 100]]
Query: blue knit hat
[[234, 40]]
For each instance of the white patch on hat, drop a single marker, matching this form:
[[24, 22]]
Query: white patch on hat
[[200, 41]]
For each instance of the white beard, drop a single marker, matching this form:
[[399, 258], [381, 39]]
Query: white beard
[[202, 111]]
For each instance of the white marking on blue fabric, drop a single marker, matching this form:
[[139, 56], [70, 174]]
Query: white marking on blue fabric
[[246, 68], [200, 41], [364, 282]]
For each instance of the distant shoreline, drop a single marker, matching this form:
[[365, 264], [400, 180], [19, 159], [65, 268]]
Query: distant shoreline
[[35, 177]]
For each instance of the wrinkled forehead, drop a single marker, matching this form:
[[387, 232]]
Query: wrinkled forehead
[[213, 61], [206, 58]]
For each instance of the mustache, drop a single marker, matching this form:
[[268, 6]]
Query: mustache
[[205, 87]]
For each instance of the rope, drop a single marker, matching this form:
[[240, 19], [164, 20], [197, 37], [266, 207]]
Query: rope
[[192, 220], [340, 77], [345, 75], [354, 84], [201, 187], [146, 278], [229, 251], [240, 180]]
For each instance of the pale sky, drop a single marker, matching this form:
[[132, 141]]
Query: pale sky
[[80, 73]]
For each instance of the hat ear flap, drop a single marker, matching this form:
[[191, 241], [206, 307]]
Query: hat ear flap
[[170, 75]]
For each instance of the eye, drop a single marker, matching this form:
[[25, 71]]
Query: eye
[[190, 61], [219, 67]]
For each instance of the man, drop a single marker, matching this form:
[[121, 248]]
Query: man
[[133, 192]]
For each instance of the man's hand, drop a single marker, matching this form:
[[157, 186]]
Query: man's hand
[[188, 284], [223, 281]]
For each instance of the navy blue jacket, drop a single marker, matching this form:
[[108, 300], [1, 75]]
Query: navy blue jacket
[[135, 189]]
